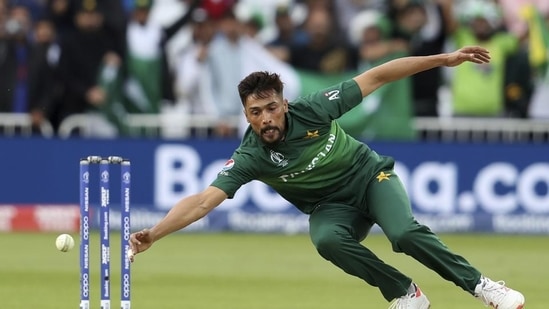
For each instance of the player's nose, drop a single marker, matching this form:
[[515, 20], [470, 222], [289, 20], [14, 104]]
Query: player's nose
[[266, 119]]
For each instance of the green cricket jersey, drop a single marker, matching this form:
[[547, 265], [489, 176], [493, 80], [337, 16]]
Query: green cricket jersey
[[317, 162]]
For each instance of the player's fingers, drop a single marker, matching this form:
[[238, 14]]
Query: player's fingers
[[484, 57], [132, 250], [134, 239], [475, 49], [478, 58], [473, 58], [131, 255], [134, 242]]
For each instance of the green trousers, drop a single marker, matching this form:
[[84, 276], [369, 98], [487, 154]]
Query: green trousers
[[337, 230]]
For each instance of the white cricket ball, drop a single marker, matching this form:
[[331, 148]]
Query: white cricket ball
[[64, 242]]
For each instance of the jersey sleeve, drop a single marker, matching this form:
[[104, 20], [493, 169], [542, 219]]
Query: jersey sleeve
[[237, 171], [332, 102]]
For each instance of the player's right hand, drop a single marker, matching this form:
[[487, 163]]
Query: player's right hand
[[475, 54], [139, 242]]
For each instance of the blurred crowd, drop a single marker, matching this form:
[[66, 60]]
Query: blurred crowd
[[111, 58]]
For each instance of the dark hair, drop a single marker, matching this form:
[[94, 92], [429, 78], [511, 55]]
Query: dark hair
[[260, 85]]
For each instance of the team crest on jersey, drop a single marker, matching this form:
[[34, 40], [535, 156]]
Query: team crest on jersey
[[311, 134], [278, 158]]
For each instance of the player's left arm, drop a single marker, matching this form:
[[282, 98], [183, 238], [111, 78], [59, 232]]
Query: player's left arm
[[396, 69]]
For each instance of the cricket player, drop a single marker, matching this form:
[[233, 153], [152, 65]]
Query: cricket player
[[344, 186]]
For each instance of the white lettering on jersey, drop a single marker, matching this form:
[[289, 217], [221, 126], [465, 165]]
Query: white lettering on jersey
[[314, 161]]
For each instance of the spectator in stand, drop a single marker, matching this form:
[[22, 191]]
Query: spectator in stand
[[529, 21], [426, 26], [325, 51], [520, 70], [142, 83], [346, 10], [15, 51], [287, 34], [114, 20], [37, 9], [538, 34], [253, 24], [223, 74], [518, 82], [61, 13], [515, 14], [83, 52], [206, 72], [386, 114], [188, 79], [478, 90], [44, 88], [143, 65], [216, 9], [147, 65]]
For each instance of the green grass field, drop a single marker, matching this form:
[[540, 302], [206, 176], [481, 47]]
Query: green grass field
[[255, 271]]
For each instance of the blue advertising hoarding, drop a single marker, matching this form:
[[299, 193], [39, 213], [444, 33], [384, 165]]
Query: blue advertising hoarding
[[453, 187]]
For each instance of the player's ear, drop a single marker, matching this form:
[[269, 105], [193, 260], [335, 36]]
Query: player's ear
[[285, 105]]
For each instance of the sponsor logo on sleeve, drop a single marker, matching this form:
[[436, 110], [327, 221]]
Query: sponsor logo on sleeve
[[228, 165], [332, 95]]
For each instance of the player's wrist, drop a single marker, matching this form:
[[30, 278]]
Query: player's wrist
[[154, 234]]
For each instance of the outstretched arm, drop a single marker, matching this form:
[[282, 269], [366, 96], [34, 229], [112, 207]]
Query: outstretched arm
[[185, 212], [172, 30], [374, 78]]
